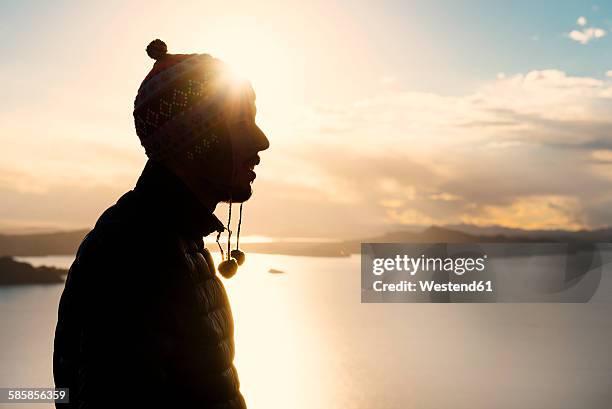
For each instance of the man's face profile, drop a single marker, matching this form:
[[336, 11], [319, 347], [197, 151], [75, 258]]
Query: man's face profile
[[229, 169], [247, 140]]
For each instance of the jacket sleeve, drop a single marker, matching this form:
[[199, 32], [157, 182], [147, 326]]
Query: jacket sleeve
[[125, 347]]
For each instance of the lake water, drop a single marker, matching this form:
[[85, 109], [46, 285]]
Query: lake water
[[304, 340]]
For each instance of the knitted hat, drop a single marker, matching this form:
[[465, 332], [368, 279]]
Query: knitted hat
[[180, 100]]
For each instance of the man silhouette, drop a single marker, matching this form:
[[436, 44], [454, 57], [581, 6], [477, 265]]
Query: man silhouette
[[143, 319]]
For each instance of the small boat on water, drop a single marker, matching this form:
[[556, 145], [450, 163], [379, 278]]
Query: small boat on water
[[275, 271]]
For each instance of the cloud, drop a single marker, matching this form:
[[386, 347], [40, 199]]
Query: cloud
[[388, 80], [531, 150], [602, 155], [585, 35], [609, 73], [65, 205], [526, 150]]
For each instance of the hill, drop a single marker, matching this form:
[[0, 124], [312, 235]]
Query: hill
[[67, 242], [41, 244], [14, 272], [433, 234]]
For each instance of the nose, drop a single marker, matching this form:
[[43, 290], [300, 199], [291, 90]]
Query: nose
[[261, 140]]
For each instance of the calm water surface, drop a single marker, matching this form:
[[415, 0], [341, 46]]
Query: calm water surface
[[304, 340]]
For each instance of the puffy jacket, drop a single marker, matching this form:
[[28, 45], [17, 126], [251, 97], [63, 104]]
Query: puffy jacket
[[143, 319]]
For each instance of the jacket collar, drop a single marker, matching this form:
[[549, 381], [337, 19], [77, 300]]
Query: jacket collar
[[169, 199]]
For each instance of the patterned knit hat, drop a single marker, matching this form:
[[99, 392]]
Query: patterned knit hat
[[180, 100]]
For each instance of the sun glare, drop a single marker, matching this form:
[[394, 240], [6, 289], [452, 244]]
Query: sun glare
[[257, 54]]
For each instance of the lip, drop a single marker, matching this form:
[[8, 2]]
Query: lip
[[252, 162], [250, 166]]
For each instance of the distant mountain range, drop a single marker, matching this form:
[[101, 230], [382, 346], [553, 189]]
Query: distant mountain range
[[598, 235], [40, 244], [436, 234]]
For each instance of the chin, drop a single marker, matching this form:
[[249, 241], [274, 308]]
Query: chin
[[241, 193]]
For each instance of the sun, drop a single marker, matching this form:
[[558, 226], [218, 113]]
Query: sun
[[258, 54]]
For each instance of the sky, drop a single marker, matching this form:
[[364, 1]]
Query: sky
[[381, 115]]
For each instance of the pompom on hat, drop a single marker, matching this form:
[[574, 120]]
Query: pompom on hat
[[157, 49], [182, 97]]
